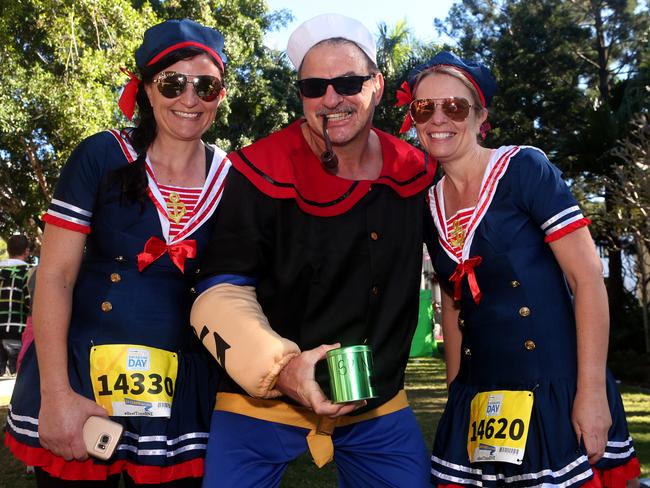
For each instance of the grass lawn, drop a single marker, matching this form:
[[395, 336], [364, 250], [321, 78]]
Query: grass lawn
[[427, 394]]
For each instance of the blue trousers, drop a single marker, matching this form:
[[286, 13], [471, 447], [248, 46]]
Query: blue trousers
[[386, 451]]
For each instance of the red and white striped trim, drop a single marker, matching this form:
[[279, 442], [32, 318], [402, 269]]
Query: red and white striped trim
[[567, 228], [89, 470], [494, 171], [461, 218], [122, 138], [188, 196], [208, 200], [60, 220]]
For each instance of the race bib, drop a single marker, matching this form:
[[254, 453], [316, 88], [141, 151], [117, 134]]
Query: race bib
[[498, 426], [133, 381]]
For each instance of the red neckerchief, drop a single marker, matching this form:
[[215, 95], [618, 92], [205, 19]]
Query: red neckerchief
[[282, 165]]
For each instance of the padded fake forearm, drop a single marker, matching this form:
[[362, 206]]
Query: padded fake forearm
[[229, 321]]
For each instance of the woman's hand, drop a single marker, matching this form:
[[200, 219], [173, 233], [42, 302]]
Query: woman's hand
[[60, 422], [591, 420]]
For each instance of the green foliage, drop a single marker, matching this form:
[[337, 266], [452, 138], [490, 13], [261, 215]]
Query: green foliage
[[60, 62]]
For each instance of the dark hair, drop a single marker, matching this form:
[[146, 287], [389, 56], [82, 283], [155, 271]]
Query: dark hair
[[17, 245], [133, 177]]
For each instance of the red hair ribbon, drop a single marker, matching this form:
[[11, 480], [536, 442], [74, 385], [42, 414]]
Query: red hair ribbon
[[178, 252], [404, 97], [127, 100], [403, 94], [467, 268]]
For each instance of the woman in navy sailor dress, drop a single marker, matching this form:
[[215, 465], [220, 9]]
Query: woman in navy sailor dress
[[525, 314], [115, 285]]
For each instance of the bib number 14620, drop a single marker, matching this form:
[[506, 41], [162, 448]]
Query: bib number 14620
[[498, 426]]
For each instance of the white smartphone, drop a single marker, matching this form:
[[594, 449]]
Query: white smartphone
[[101, 436]]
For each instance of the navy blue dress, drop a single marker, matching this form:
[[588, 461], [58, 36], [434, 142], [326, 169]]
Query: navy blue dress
[[521, 335], [116, 303]]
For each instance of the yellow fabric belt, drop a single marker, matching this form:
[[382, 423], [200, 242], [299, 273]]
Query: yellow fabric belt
[[320, 428]]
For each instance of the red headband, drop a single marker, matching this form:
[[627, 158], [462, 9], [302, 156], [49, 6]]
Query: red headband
[[404, 96], [128, 98]]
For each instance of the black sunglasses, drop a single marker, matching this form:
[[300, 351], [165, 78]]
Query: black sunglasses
[[456, 108], [343, 85], [172, 84]]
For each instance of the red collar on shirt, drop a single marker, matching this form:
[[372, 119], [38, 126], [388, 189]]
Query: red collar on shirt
[[283, 166]]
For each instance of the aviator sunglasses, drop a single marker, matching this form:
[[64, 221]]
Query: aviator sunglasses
[[172, 84], [456, 108], [343, 85]]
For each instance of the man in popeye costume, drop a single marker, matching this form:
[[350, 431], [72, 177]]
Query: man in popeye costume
[[130, 218], [318, 242], [525, 313]]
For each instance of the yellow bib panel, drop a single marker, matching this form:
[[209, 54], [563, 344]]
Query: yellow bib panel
[[132, 380], [498, 426]]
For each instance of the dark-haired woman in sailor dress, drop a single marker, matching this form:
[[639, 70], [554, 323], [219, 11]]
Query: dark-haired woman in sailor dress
[[131, 217]]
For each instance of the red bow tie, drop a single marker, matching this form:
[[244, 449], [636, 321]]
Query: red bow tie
[[178, 252], [467, 268]]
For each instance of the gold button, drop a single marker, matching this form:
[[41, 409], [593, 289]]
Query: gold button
[[192, 290], [467, 351], [107, 306], [514, 283], [530, 345], [120, 259], [115, 277], [524, 311], [374, 236], [375, 290], [461, 322]]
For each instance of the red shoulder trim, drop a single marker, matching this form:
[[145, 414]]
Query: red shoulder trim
[[567, 229], [88, 470], [59, 222], [283, 166]]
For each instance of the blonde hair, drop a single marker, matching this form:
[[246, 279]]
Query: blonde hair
[[456, 73]]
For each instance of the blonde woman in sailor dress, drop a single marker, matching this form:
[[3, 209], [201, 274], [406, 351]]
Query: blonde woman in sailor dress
[[130, 219], [525, 314]]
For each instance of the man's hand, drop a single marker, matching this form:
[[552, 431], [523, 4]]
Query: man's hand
[[591, 420], [297, 381]]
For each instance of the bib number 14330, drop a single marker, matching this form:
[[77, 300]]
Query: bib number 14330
[[133, 380]]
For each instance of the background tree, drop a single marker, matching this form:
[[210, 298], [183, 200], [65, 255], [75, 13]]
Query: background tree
[[629, 187], [60, 60], [59, 64]]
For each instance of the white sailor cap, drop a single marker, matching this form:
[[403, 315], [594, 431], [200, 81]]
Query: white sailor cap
[[329, 26]]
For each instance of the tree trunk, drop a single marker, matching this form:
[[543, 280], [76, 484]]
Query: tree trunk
[[643, 256], [38, 170], [615, 288]]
